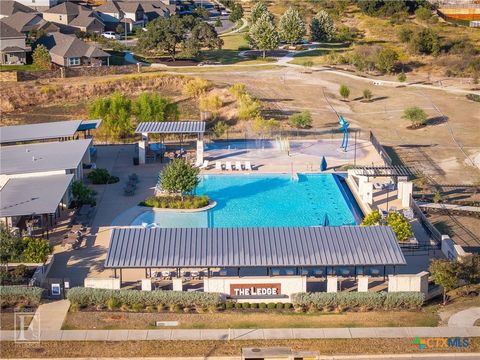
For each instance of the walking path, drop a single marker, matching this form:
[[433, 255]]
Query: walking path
[[465, 317], [248, 334], [449, 207], [50, 316]]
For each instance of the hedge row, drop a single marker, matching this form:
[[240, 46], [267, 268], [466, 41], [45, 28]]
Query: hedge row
[[133, 298], [246, 305], [370, 300], [20, 295]]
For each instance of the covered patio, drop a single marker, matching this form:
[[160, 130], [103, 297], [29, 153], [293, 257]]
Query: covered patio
[[181, 128]]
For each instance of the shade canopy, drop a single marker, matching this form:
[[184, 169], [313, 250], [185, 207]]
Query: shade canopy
[[171, 127], [33, 195], [136, 247]]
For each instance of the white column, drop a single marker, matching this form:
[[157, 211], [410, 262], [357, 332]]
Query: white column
[[199, 150], [146, 284], [362, 283], [332, 284], [142, 147], [177, 284], [405, 190]]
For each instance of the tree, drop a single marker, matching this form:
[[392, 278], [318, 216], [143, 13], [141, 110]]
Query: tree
[[179, 177], [426, 42], [218, 23], [262, 126], [367, 94], [416, 115], [203, 35], [219, 129], [41, 58], [291, 27], [263, 34], [236, 13], [37, 250], [344, 92], [301, 120], [120, 29], [196, 87], [115, 112], [386, 59], [322, 27], [257, 11], [11, 247], [210, 103], [444, 274], [153, 107], [163, 34]]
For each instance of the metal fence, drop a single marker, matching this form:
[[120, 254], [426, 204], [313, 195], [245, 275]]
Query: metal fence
[[431, 230], [380, 149]]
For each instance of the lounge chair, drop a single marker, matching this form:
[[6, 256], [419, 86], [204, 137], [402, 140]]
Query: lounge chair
[[218, 165], [378, 186], [248, 166], [204, 165], [238, 165], [228, 166]]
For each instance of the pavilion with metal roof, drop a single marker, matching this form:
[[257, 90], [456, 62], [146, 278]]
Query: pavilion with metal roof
[[55, 130], [272, 247], [170, 127]]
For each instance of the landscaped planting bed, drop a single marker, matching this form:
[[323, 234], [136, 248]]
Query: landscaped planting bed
[[20, 296]]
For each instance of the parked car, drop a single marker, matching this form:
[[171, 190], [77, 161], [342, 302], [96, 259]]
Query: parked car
[[111, 35]]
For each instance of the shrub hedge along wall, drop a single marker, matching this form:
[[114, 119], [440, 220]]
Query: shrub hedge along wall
[[20, 295]]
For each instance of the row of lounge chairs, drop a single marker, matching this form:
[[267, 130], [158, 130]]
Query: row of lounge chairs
[[247, 166]]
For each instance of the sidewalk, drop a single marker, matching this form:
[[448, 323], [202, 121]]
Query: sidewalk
[[50, 316], [465, 318], [248, 334]]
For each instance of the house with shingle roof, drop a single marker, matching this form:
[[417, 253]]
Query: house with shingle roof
[[69, 51], [12, 45], [8, 8], [73, 17], [26, 22], [128, 12], [39, 5]]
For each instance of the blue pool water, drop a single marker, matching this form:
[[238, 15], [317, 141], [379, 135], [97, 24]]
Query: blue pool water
[[264, 200]]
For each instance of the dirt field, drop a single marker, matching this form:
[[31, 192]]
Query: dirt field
[[246, 320], [464, 230], [51, 349], [443, 150]]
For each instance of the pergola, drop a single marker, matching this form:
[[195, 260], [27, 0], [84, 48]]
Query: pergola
[[394, 171], [170, 127]]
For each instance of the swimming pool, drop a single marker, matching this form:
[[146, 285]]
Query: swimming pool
[[264, 201]]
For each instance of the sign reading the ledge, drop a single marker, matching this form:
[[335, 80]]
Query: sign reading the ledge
[[255, 289]]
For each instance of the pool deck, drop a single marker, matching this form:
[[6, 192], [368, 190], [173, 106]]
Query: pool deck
[[113, 207]]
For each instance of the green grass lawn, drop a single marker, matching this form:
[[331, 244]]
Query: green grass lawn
[[235, 41], [29, 67], [317, 56]]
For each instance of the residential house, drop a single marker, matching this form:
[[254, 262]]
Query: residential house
[[72, 18], [12, 45], [26, 22], [39, 5], [8, 8], [127, 12], [155, 9], [69, 51]]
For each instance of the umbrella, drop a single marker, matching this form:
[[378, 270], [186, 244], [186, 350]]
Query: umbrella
[[323, 164], [326, 222]]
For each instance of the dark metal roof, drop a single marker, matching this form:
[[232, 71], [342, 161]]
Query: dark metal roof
[[395, 171], [171, 127], [41, 131], [136, 247], [33, 195]]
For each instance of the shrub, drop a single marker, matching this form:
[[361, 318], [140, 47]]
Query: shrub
[[402, 77], [238, 90], [400, 226], [219, 129], [101, 176], [41, 58], [344, 92], [271, 306], [113, 303], [20, 295], [245, 305], [473, 97], [356, 300], [262, 306], [372, 219], [367, 94], [130, 298], [416, 115], [248, 107], [179, 177], [254, 305], [196, 87], [175, 202], [82, 194], [301, 120], [279, 305], [287, 305], [137, 307], [229, 305], [211, 103], [36, 250], [238, 305]]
